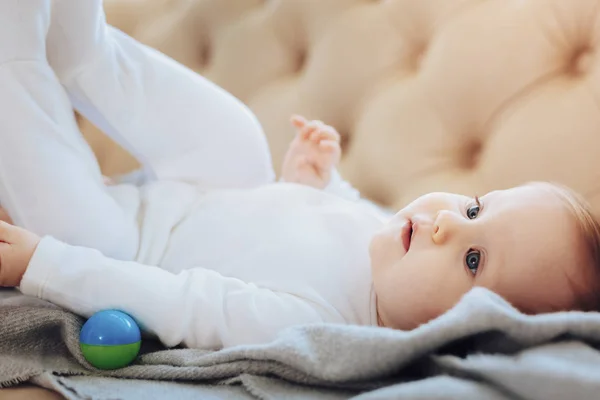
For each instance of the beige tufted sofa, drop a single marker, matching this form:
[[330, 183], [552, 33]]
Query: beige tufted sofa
[[453, 95]]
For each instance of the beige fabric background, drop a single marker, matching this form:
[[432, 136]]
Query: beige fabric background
[[454, 95]]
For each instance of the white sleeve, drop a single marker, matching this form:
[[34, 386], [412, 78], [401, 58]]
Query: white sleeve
[[338, 186], [198, 308]]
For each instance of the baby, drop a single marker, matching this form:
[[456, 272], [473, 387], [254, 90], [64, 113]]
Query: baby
[[211, 252]]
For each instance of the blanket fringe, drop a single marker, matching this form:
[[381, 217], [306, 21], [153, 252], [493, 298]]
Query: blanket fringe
[[15, 381]]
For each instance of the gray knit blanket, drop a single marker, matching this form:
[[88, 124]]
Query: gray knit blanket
[[481, 349]]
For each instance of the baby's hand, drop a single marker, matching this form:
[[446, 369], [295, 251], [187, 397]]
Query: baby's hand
[[17, 246], [312, 155]]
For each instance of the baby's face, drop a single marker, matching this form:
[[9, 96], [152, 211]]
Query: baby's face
[[522, 243]]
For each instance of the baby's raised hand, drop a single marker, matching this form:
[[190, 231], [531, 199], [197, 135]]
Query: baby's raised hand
[[17, 246], [312, 155]]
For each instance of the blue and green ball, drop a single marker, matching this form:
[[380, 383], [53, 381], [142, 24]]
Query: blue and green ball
[[110, 339]]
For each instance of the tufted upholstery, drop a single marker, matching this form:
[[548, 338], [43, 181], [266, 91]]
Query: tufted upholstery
[[453, 95]]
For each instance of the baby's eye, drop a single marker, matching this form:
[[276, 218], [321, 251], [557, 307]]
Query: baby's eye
[[473, 210], [472, 260]]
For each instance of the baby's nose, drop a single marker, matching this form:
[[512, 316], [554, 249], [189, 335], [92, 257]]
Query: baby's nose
[[446, 225]]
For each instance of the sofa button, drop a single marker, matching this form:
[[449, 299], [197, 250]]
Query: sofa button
[[471, 154], [582, 61]]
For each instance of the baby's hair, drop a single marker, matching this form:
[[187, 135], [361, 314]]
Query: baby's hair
[[589, 228]]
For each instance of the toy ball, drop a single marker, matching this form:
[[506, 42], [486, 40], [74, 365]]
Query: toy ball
[[110, 339]]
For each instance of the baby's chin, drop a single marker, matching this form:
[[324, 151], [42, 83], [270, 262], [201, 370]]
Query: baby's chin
[[385, 251]]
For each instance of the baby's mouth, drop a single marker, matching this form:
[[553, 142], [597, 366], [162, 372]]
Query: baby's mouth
[[407, 231]]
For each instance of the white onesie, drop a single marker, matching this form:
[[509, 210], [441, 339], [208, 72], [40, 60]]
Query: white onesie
[[242, 265], [211, 253]]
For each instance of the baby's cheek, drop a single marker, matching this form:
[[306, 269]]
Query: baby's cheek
[[375, 247], [385, 250]]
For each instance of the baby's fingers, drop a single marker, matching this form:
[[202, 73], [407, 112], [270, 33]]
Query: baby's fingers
[[329, 146], [6, 273], [7, 233], [4, 216], [308, 130], [298, 121], [324, 132]]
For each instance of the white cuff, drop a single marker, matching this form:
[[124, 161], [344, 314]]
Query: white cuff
[[45, 258], [338, 186]]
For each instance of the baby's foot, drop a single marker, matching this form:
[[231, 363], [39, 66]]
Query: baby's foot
[[23, 28], [312, 155], [76, 32]]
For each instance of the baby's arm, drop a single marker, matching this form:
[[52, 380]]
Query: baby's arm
[[198, 308]]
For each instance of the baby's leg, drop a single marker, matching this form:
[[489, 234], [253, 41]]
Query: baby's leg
[[50, 182], [174, 121]]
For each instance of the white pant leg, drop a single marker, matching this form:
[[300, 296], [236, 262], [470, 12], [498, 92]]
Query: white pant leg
[[49, 180], [174, 121]]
